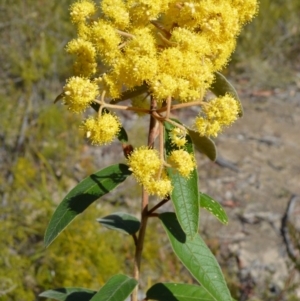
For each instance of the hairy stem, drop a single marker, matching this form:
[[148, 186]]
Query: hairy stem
[[144, 209]]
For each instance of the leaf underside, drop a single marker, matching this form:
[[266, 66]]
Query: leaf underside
[[121, 222], [204, 145], [69, 294], [221, 86]]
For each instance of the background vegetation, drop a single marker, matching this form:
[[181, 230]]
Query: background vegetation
[[42, 153]]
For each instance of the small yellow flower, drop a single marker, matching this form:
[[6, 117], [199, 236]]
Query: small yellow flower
[[79, 93], [207, 127], [161, 187], [177, 137], [218, 113], [81, 10], [102, 130], [224, 109], [85, 64], [146, 166], [117, 11], [144, 163], [183, 161]]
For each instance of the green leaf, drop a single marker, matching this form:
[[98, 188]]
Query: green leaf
[[117, 288], [178, 292], [213, 207], [69, 294], [197, 258], [121, 222], [185, 200], [185, 192], [204, 145], [122, 136], [221, 86], [83, 195]]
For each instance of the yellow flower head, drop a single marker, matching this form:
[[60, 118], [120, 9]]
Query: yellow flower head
[[177, 136], [219, 112], [183, 161], [85, 64], [79, 93], [116, 11], [223, 109], [81, 10], [103, 129], [144, 163], [207, 127], [104, 37], [160, 187], [146, 167]]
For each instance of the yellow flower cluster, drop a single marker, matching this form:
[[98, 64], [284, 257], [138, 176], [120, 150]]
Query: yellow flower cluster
[[81, 10], [182, 161], [175, 47], [148, 170], [103, 129], [219, 112], [177, 137], [79, 93]]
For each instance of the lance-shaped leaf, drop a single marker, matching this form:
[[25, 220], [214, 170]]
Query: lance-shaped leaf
[[204, 145], [185, 192], [197, 258], [117, 288], [69, 294], [82, 196], [178, 292], [184, 196], [121, 222], [221, 86], [213, 207]]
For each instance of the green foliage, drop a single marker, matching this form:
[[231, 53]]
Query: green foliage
[[39, 149], [117, 288], [213, 207], [204, 145], [82, 196], [178, 292], [70, 294], [185, 192], [197, 258], [122, 222]]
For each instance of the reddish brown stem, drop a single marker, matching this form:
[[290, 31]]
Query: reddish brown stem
[[165, 200], [144, 210]]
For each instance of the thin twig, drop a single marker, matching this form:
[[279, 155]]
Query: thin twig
[[125, 34], [158, 205], [183, 105], [144, 209]]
